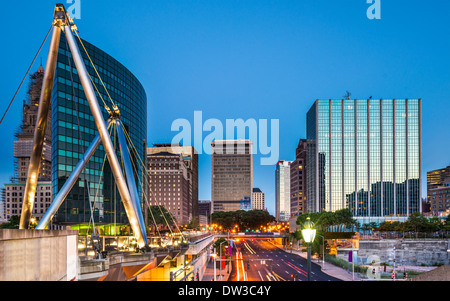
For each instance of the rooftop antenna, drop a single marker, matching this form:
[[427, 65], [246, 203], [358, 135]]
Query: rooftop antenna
[[347, 95]]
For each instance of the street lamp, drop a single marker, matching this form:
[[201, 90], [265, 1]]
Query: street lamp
[[308, 234]]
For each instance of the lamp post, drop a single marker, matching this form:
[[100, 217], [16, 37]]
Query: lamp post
[[308, 234], [323, 251], [214, 257]]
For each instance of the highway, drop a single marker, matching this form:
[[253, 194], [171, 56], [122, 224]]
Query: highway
[[260, 260]]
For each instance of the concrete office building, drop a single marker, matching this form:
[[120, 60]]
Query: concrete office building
[[204, 213], [231, 173], [283, 191], [365, 155], [258, 202]]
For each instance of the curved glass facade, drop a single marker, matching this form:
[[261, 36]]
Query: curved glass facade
[[364, 154], [73, 129]]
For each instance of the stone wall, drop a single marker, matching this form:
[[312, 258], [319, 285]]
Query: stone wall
[[38, 255], [413, 252]]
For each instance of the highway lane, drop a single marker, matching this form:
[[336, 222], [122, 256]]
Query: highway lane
[[260, 260]]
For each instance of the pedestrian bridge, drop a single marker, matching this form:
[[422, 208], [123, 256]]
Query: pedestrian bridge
[[263, 235]]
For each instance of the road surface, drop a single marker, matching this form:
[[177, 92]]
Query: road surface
[[260, 260]]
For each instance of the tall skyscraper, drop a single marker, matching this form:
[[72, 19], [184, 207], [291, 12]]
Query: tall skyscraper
[[190, 158], [365, 155], [73, 129], [258, 202], [283, 191], [298, 180], [231, 173]]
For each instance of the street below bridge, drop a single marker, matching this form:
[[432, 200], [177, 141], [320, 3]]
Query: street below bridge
[[261, 260]]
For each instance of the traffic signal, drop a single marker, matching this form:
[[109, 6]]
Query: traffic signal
[[248, 265]]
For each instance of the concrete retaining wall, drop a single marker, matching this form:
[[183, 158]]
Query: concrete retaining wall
[[414, 252], [38, 255]]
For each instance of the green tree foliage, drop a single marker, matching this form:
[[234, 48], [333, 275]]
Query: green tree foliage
[[323, 220], [417, 223], [13, 223], [252, 219], [159, 217]]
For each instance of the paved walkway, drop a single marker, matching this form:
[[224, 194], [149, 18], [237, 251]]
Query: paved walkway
[[209, 273]]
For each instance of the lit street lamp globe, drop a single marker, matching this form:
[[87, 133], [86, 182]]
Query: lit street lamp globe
[[308, 231]]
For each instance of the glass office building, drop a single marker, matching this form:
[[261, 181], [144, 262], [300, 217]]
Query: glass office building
[[73, 129], [365, 155], [283, 191]]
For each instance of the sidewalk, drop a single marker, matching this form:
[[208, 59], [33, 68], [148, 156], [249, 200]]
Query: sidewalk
[[209, 272]]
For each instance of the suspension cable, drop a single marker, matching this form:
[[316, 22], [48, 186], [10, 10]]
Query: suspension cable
[[92, 63], [146, 171], [42, 44]]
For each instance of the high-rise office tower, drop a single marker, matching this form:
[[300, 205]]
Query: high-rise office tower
[[169, 185], [190, 159], [258, 202], [365, 155], [283, 191], [298, 180], [73, 129], [231, 173]]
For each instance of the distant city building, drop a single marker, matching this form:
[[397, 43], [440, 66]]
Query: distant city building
[[14, 199], [283, 191], [190, 158], [231, 173], [204, 212], [24, 143], [246, 203], [12, 193], [298, 180], [258, 202], [439, 198], [435, 179], [168, 184], [365, 155]]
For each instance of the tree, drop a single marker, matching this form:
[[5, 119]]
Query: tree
[[159, 217], [13, 223]]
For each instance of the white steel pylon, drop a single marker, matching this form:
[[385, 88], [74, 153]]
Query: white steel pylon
[[63, 22]]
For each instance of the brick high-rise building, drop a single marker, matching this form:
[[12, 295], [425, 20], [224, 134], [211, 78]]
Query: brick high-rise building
[[168, 184], [190, 159], [298, 180]]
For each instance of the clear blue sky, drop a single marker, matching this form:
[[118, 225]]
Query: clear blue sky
[[256, 59]]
